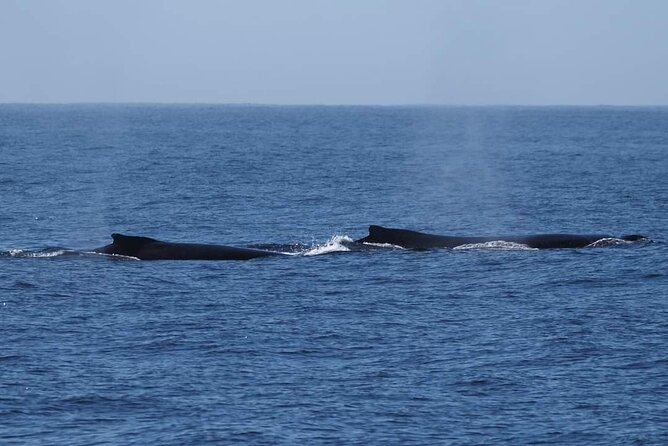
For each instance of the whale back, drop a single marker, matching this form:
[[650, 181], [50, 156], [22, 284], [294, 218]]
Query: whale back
[[634, 238], [419, 240], [129, 245], [146, 248], [409, 239]]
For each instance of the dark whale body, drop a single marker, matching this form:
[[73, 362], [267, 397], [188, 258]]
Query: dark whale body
[[418, 240], [146, 248]]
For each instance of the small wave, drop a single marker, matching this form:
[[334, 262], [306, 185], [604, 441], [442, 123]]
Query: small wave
[[335, 244], [50, 253], [498, 244], [24, 285], [104, 255], [293, 249], [41, 253]]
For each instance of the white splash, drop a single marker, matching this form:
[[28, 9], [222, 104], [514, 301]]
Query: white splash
[[334, 244], [610, 241], [36, 254]]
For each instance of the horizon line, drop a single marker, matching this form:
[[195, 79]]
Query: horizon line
[[271, 104]]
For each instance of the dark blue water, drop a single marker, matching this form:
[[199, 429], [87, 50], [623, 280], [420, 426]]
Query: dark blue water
[[475, 346]]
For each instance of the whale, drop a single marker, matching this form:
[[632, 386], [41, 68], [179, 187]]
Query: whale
[[146, 248], [409, 239]]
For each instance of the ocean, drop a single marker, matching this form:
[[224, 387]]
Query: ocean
[[487, 345]]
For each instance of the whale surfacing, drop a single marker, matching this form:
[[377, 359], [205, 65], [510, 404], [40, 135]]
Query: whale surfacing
[[146, 248], [418, 240]]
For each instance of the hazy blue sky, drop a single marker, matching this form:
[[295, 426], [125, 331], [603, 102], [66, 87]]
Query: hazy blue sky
[[335, 52]]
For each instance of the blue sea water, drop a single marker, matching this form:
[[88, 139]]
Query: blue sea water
[[329, 346]]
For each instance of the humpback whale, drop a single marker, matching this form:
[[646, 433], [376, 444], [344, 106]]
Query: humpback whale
[[146, 248], [419, 240]]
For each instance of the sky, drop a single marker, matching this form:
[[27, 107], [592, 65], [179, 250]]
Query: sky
[[385, 52]]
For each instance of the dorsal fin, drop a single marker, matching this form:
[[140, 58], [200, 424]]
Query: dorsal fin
[[380, 234], [381, 231], [375, 229], [130, 244]]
